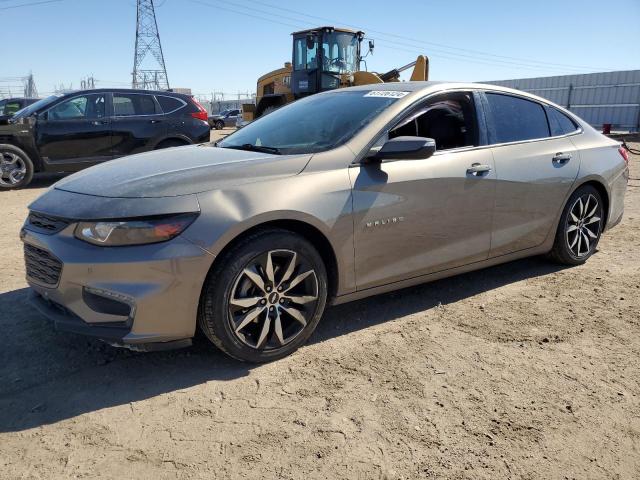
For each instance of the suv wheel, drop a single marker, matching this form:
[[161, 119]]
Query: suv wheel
[[219, 125], [16, 168], [265, 298], [580, 227]]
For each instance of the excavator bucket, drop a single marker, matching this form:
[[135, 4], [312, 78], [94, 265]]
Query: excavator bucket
[[420, 70]]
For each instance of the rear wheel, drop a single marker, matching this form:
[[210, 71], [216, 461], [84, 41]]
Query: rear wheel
[[265, 298], [580, 227], [16, 168]]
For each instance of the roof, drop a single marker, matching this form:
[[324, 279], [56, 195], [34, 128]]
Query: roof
[[125, 90], [12, 99], [337, 29]]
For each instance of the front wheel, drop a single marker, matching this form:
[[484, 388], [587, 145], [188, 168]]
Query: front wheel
[[219, 125], [580, 227], [16, 168], [265, 298]]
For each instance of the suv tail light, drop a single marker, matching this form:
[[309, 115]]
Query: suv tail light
[[201, 114], [624, 154]]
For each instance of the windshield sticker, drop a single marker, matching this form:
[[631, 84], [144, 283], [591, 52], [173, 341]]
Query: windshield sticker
[[386, 94]]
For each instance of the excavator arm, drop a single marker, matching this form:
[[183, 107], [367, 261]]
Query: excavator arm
[[420, 73]]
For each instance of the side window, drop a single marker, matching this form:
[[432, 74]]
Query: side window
[[516, 119], [125, 105], [11, 107], [85, 107], [449, 119], [169, 104], [560, 123]]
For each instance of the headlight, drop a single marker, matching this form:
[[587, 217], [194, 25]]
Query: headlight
[[134, 232]]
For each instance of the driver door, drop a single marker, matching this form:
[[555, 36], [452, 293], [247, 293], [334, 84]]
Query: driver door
[[76, 129], [415, 217]]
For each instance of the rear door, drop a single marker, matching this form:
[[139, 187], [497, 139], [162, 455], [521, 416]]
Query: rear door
[[76, 129], [138, 123], [535, 170]]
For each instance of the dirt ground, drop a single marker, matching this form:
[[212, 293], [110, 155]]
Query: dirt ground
[[525, 370]]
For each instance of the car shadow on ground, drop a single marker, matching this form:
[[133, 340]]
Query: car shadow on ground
[[46, 376]]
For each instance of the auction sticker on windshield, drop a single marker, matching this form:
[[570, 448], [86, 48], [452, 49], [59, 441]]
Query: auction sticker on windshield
[[386, 94]]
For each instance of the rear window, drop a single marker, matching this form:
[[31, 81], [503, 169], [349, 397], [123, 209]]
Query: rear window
[[126, 105], [169, 104], [560, 124], [516, 119]]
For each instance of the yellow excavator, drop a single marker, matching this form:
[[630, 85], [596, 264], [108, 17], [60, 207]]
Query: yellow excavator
[[323, 58]]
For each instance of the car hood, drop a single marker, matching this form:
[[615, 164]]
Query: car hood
[[180, 171]]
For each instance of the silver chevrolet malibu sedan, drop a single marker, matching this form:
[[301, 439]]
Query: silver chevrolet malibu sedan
[[336, 197]]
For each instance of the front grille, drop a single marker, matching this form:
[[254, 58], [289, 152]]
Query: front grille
[[42, 267], [46, 224]]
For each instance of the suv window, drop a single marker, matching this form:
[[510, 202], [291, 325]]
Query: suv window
[[448, 119], [10, 108], [169, 104], [125, 105], [79, 108], [516, 119], [560, 123]]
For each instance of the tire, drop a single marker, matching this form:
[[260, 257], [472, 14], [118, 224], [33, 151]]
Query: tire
[[580, 227], [16, 168], [170, 143], [219, 125], [250, 321]]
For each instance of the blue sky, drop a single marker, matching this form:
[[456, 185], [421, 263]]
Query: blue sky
[[224, 45]]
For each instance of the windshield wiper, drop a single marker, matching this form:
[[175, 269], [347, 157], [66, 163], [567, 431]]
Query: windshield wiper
[[255, 148]]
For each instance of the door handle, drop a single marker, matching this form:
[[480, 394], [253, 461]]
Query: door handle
[[99, 122], [561, 158], [155, 121], [478, 169]]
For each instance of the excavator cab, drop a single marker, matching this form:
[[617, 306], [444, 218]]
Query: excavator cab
[[324, 58]]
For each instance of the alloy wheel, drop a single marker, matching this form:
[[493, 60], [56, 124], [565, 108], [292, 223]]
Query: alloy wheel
[[583, 225], [273, 299], [12, 169]]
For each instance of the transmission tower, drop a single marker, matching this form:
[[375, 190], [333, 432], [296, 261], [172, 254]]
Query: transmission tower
[[148, 45], [30, 90]]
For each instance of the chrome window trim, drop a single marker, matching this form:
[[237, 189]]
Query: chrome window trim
[[543, 105], [407, 111], [104, 94], [184, 104], [362, 154]]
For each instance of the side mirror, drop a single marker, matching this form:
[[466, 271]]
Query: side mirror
[[371, 46], [404, 148]]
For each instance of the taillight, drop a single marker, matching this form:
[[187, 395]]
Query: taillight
[[624, 154], [201, 114]]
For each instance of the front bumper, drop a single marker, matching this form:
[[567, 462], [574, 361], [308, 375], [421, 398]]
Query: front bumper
[[143, 297]]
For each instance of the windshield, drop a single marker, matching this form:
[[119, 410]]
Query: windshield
[[312, 124], [340, 51], [34, 107]]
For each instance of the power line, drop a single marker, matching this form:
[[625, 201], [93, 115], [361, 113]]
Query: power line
[[450, 47], [30, 4], [432, 52]]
